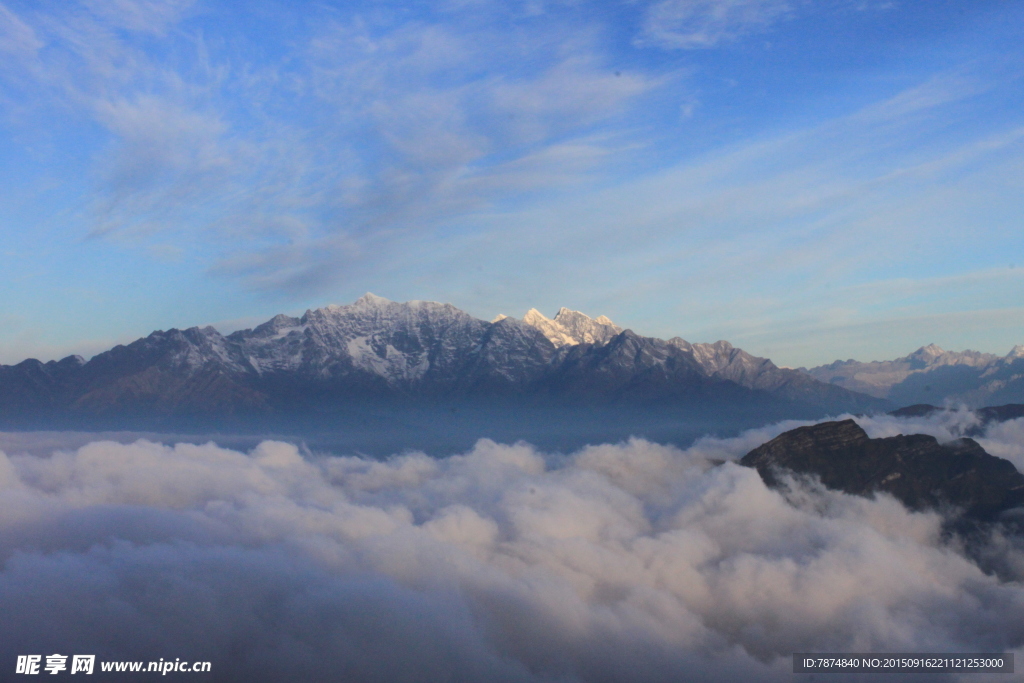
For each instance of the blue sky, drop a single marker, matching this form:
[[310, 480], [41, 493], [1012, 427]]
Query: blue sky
[[809, 180]]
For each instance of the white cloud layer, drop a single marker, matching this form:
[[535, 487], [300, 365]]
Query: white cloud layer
[[622, 562]]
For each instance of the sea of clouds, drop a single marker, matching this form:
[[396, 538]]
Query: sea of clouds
[[620, 562]]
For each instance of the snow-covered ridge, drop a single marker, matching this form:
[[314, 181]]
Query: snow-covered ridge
[[398, 342], [412, 342], [376, 349]]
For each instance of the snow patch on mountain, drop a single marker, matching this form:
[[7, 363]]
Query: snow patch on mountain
[[387, 362]]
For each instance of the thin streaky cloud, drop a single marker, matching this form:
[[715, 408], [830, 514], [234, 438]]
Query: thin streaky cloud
[[696, 24], [147, 16], [17, 37]]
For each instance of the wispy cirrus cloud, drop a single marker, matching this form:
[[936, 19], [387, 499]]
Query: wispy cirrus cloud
[[166, 156], [16, 36], [439, 136], [694, 24], [371, 127], [148, 16]]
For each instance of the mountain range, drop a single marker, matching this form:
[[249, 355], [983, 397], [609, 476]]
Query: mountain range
[[378, 366], [933, 375]]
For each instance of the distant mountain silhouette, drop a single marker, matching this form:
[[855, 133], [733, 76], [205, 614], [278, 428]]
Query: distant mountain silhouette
[[932, 375]]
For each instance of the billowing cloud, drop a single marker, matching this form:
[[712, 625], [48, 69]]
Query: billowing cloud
[[631, 561], [1006, 440]]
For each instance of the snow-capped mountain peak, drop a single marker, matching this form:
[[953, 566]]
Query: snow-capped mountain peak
[[929, 352], [570, 327], [549, 328], [371, 299], [932, 355]]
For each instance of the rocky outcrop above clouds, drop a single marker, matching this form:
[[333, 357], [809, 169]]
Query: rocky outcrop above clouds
[[958, 477]]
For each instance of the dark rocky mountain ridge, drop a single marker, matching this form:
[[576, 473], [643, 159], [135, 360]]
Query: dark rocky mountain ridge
[[916, 469]]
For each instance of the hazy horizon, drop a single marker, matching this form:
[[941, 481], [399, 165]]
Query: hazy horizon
[[234, 325]]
